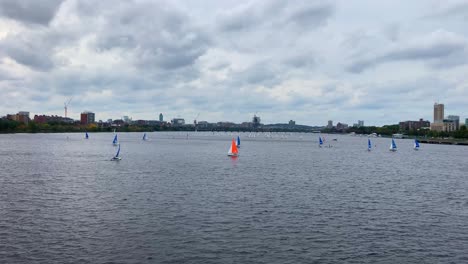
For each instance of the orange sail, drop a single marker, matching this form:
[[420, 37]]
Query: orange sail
[[233, 150], [234, 147]]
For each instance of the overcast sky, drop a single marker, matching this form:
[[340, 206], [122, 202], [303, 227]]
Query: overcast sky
[[310, 61]]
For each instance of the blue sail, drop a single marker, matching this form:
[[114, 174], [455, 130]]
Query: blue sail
[[416, 143], [320, 141], [86, 135], [238, 141], [369, 144], [144, 136], [115, 140], [393, 144]]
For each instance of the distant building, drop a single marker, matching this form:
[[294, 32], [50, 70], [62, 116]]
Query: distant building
[[360, 123], [22, 117], [178, 121], [87, 118], [466, 122], [413, 125], [330, 124], [438, 113], [341, 126], [42, 119], [455, 119], [118, 123], [127, 119], [256, 121], [292, 122], [438, 124], [225, 124], [161, 117], [449, 125]]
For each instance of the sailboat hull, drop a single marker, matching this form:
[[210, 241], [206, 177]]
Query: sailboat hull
[[116, 158], [233, 155]]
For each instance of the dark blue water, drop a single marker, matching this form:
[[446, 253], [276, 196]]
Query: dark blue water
[[179, 199]]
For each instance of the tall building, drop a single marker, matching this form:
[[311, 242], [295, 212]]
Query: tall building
[[161, 117], [360, 123], [330, 124], [87, 118], [466, 122], [438, 113], [256, 121], [455, 119]]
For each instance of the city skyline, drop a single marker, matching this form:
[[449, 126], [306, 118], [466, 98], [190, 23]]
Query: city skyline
[[229, 60]]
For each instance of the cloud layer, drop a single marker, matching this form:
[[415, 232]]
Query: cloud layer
[[310, 61]]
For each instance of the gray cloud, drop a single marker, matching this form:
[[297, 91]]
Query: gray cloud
[[457, 10], [436, 51], [288, 60], [274, 14], [35, 12], [153, 35], [34, 49]]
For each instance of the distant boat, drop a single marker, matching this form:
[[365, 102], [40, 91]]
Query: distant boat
[[86, 135], [117, 157], [238, 142], [393, 146], [115, 141], [144, 137], [320, 142], [416, 144], [233, 151], [369, 145]]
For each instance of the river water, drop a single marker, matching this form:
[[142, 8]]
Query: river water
[[178, 198]]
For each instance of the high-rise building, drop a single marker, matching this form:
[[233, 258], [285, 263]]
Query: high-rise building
[[360, 123], [256, 121], [330, 124], [87, 118], [466, 122], [438, 113], [161, 117]]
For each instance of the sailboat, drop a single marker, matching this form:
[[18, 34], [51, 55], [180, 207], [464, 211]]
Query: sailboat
[[233, 151], [117, 157], [115, 142], [320, 142], [416, 144], [238, 142], [369, 145], [86, 135], [393, 146], [144, 137]]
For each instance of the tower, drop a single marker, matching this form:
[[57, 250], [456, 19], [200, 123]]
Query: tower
[[438, 113]]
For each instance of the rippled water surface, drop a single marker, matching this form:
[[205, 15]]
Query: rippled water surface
[[180, 199]]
